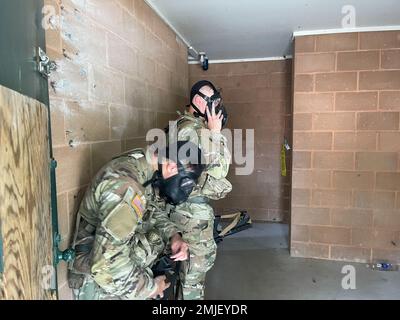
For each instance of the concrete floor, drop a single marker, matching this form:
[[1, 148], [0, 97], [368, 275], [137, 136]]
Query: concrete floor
[[255, 265]]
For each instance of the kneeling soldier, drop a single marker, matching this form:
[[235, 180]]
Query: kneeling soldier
[[123, 226]]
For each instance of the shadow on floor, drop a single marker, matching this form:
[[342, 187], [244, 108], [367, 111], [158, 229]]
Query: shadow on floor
[[255, 264]]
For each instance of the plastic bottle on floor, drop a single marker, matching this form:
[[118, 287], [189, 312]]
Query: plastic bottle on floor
[[384, 266]]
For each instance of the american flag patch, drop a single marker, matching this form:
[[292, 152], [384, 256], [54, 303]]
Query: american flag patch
[[137, 204]]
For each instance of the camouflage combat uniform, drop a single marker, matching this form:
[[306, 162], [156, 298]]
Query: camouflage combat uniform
[[123, 229], [195, 218]]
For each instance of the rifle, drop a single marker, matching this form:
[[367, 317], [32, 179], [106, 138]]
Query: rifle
[[222, 228]]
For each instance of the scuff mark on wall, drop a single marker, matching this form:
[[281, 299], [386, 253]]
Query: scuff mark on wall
[[74, 143]]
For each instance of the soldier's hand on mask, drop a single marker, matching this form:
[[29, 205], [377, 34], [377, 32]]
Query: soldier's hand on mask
[[214, 120], [179, 248], [162, 285]]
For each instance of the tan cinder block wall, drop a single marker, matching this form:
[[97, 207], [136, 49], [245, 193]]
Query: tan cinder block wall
[[258, 96], [346, 173], [121, 71]]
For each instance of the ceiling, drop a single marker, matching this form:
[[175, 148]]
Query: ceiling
[[243, 29]]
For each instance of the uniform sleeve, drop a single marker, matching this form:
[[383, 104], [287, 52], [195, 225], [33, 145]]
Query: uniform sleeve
[[214, 147], [113, 266], [216, 152], [164, 225]]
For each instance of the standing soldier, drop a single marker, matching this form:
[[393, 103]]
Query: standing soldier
[[202, 125], [122, 224]]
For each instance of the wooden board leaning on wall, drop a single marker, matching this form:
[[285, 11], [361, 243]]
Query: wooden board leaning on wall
[[25, 213]]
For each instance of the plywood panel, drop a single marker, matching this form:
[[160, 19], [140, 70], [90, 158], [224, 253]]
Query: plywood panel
[[24, 196]]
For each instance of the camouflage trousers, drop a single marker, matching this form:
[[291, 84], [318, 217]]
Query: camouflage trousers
[[196, 222], [146, 248]]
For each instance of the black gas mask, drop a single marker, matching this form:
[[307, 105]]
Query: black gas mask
[[176, 189], [215, 101]]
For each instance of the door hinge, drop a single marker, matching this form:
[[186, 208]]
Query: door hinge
[[45, 65], [53, 164], [66, 255]]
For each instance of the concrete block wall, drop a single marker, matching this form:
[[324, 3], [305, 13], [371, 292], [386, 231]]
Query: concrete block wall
[[258, 96], [346, 166], [121, 71]]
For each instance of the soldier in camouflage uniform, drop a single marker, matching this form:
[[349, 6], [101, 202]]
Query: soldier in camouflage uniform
[[202, 125], [123, 227]]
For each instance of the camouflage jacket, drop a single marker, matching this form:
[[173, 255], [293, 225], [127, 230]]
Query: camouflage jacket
[[122, 216], [214, 146]]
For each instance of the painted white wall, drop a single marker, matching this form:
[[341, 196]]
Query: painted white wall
[[241, 29]]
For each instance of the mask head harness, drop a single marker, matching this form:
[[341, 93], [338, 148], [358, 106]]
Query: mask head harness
[[190, 163], [215, 101]]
